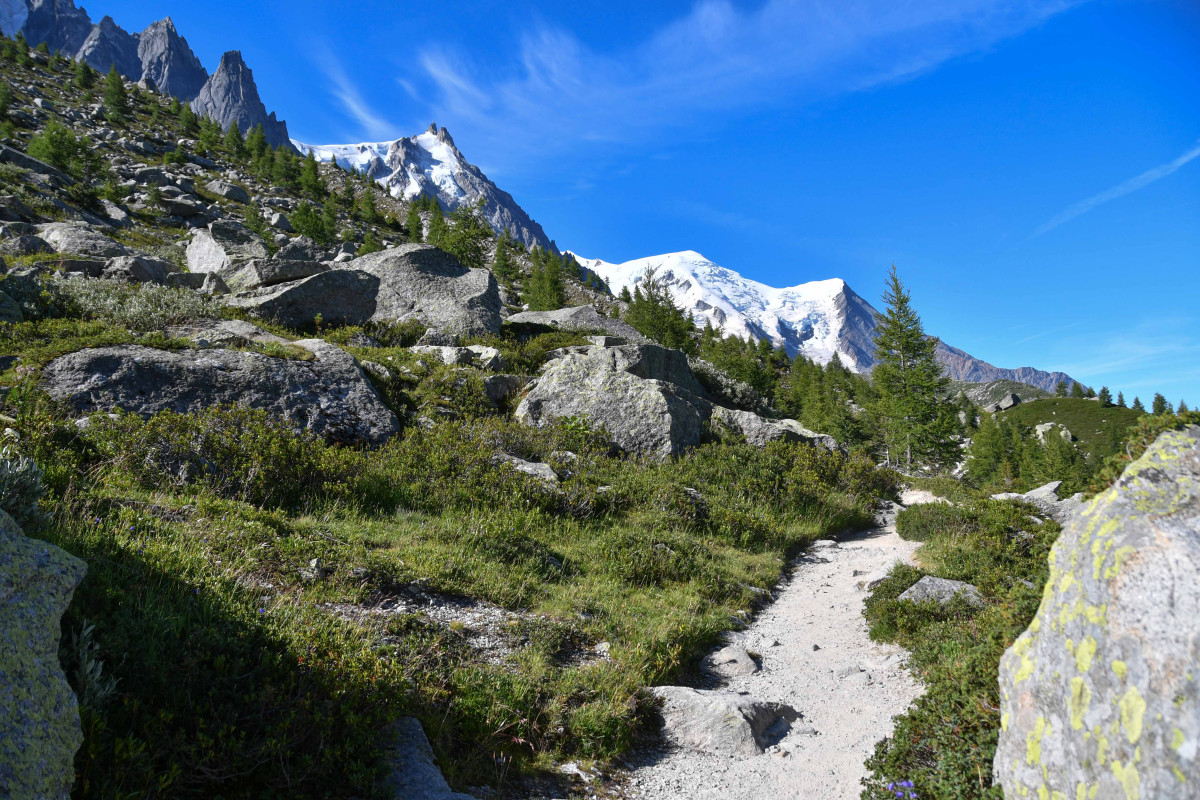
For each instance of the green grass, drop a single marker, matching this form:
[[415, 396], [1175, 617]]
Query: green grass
[[946, 742], [1095, 426]]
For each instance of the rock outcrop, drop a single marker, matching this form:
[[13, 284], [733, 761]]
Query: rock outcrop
[[80, 239], [224, 248], [722, 723], [230, 97], [941, 590], [409, 282], [1046, 498], [109, 45], [39, 718], [414, 775], [167, 60], [1100, 695], [328, 395], [580, 318], [646, 398], [58, 23]]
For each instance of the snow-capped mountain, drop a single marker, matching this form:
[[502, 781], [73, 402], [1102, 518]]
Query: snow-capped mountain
[[815, 319], [429, 164]]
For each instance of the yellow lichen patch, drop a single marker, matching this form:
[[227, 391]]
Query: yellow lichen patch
[[1132, 708], [1128, 777], [1081, 699], [1004, 721], [1178, 774], [1025, 671], [1177, 739], [1033, 741], [1101, 746], [1120, 668], [1084, 653], [1119, 558]]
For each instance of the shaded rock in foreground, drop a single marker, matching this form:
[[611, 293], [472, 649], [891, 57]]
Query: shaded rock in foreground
[[329, 396], [1099, 696], [39, 718], [414, 774]]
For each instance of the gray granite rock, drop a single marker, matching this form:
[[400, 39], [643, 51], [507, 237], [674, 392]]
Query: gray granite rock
[[580, 318], [328, 395], [1100, 696], [722, 723], [760, 430], [230, 97], [224, 247], [39, 718], [413, 773], [167, 60], [229, 191], [80, 239], [941, 590]]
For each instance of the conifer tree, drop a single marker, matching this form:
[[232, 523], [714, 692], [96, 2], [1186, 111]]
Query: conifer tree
[[1077, 391], [1105, 397], [1137, 404], [437, 224], [1120, 399], [1183, 407], [544, 290], [654, 313], [502, 263], [467, 236], [1060, 389], [256, 142], [413, 222], [310, 178], [913, 418], [234, 143], [116, 100], [1159, 404], [366, 206], [85, 76]]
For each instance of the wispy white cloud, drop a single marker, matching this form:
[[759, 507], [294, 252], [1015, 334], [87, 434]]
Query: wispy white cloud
[[1132, 185], [371, 125], [717, 58]]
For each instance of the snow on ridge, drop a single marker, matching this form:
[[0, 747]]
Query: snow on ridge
[[809, 318]]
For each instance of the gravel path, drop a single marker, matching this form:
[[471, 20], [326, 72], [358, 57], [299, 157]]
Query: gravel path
[[816, 657]]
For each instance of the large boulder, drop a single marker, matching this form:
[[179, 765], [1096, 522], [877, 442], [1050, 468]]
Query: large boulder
[[80, 239], [260, 272], [1100, 695], [224, 247], [413, 773], [580, 318], [1045, 497], [626, 391], [931, 589], [759, 430], [722, 723], [409, 282], [39, 718], [328, 395]]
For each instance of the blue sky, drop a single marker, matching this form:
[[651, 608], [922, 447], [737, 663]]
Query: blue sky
[[1033, 168]]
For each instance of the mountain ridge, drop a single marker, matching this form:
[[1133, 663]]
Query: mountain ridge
[[431, 164], [815, 319]]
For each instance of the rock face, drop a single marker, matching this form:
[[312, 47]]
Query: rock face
[[329, 395], [225, 247], [39, 718], [109, 45], [409, 282], [1045, 497], [580, 318], [230, 96], [629, 392], [58, 23], [167, 60], [646, 398], [80, 239], [722, 723], [941, 590], [1100, 696], [414, 774]]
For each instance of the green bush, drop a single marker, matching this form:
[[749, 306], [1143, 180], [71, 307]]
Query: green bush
[[137, 306], [921, 522], [20, 486]]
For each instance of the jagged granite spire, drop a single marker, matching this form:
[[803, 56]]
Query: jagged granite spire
[[110, 45], [59, 24], [168, 61], [231, 97]]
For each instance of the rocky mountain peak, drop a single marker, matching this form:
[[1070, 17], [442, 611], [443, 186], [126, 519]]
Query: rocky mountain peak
[[169, 62], [58, 23], [433, 128], [109, 45], [230, 97]]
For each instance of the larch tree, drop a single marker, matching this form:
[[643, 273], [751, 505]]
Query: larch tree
[[915, 419]]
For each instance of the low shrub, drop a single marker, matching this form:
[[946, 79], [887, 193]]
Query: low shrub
[[921, 522], [137, 306]]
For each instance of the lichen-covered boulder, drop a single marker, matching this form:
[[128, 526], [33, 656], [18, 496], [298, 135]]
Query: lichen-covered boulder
[[580, 318], [1100, 695], [39, 716], [224, 247], [758, 431]]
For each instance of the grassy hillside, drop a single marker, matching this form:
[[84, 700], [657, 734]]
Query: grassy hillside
[[984, 394], [1098, 428]]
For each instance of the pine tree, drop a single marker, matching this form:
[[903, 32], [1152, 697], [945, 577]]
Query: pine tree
[[116, 100], [1159, 404], [329, 221], [437, 224], [1060, 389], [366, 206], [413, 222], [1137, 404], [502, 263], [256, 142], [85, 76], [544, 290], [233, 142], [1183, 407], [467, 237], [914, 419], [1120, 399], [1077, 391], [310, 178], [654, 313], [1105, 397]]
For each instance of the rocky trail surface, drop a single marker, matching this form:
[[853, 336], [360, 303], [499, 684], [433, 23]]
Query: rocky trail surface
[[810, 652]]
